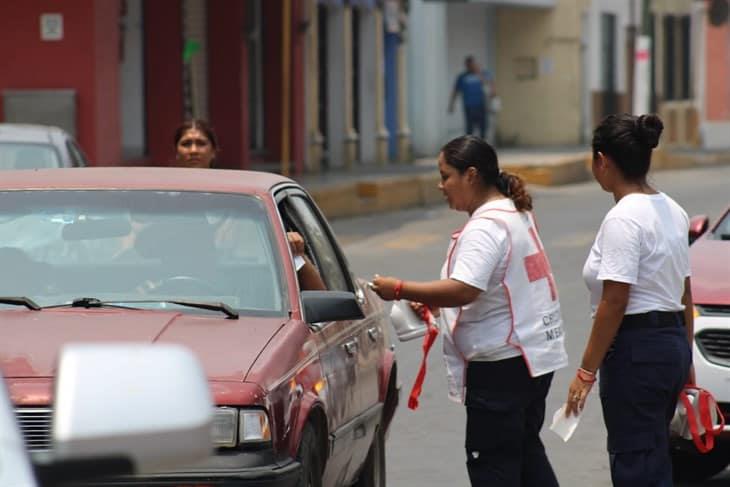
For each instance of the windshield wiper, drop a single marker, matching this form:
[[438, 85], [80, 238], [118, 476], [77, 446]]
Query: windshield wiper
[[97, 303], [88, 303], [20, 301]]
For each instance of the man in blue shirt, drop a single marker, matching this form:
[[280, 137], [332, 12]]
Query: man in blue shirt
[[474, 86]]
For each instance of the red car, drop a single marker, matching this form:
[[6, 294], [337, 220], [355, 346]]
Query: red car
[[304, 381]]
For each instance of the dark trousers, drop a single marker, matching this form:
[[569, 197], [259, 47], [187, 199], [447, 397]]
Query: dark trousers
[[476, 117], [641, 377], [505, 409]]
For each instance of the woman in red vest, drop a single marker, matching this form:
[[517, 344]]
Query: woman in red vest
[[500, 316]]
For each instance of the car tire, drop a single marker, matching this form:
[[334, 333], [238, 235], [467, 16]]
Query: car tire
[[691, 466], [373, 472], [310, 457]]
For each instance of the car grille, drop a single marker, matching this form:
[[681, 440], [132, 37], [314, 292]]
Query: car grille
[[713, 309], [35, 423], [715, 346]]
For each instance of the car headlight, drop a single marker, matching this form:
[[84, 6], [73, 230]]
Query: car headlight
[[253, 426], [232, 427], [225, 427]]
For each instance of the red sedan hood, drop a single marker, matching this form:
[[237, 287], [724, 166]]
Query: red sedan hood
[[710, 261], [30, 340]]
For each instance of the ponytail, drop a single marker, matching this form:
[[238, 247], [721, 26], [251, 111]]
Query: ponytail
[[513, 187]]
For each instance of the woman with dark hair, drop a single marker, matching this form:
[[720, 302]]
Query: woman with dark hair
[[196, 144], [638, 276], [503, 335]]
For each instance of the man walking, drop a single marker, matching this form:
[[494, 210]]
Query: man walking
[[474, 85]]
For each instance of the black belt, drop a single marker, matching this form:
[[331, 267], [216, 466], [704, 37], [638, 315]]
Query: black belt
[[653, 319]]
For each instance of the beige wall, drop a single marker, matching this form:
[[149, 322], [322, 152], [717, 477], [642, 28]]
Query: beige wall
[[545, 110]]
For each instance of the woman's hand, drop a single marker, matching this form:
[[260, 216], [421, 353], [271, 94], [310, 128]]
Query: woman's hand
[[577, 395], [418, 308], [385, 287]]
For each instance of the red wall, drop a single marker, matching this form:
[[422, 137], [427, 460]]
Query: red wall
[[163, 78], [228, 81], [718, 72], [271, 17], [86, 60]]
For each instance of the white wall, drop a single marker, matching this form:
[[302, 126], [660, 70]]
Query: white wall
[[441, 35], [622, 10], [469, 31], [428, 79]]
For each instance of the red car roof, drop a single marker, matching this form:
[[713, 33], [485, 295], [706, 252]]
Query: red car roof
[[132, 178]]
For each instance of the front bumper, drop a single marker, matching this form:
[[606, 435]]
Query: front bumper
[[709, 356], [249, 469]]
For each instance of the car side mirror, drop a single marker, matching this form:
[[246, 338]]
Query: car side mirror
[[323, 306], [127, 409], [697, 226]]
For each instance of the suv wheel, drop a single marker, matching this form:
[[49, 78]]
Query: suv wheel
[[691, 466]]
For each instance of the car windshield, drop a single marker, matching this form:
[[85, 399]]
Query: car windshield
[[152, 246], [28, 156]]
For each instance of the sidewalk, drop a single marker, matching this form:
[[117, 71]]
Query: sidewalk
[[375, 188]]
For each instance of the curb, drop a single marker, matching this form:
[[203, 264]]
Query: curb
[[398, 192], [391, 193]]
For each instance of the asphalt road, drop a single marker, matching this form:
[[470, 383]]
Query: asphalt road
[[425, 447]]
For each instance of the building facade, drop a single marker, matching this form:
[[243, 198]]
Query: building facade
[[288, 85]]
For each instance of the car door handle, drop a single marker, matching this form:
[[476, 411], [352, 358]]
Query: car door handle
[[350, 346], [373, 333]]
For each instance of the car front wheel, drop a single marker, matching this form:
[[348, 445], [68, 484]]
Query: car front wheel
[[311, 459]]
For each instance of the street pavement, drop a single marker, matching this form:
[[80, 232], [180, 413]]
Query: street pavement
[[425, 447]]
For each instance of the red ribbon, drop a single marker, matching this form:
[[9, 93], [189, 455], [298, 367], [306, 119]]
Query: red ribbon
[[428, 339]]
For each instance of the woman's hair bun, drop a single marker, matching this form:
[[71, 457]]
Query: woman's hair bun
[[650, 128]]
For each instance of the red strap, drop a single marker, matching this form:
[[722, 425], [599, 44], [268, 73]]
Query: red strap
[[704, 398], [696, 438], [428, 340]]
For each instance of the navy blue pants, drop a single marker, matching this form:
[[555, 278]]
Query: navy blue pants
[[505, 410], [476, 117], [641, 377]]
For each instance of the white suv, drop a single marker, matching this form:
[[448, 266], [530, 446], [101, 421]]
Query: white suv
[[710, 261]]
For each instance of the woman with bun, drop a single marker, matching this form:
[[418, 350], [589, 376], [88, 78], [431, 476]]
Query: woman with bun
[[638, 276]]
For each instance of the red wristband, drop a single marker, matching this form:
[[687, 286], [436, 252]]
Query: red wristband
[[586, 376], [397, 289]]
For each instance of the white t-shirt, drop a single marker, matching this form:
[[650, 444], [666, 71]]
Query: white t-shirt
[[480, 260], [643, 241]]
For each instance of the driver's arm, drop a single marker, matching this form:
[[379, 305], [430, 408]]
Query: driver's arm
[[307, 273]]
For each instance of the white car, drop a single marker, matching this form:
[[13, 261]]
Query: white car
[[30, 146], [710, 261]]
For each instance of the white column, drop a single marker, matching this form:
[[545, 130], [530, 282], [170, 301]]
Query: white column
[[341, 136], [429, 82], [370, 77], [382, 135], [404, 129], [314, 134]]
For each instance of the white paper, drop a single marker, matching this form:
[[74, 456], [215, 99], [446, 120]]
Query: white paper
[[562, 426], [299, 262]]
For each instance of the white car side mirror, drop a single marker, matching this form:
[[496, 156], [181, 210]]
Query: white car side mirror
[[145, 403]]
